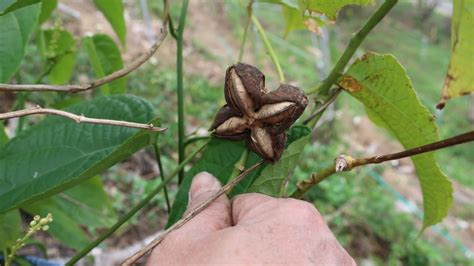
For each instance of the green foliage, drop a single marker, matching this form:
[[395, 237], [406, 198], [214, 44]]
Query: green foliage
[[10, 224], [460, 78], [271, 180], [58, 48], [218, 159], [47, 7], [86, 204], [113, 11], [16, 28], [105, 58], [58, 153], [3, 135], [381, 84], [328, 7], [7, 6]]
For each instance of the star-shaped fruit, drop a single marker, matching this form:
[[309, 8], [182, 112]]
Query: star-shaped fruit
[[256, 115]]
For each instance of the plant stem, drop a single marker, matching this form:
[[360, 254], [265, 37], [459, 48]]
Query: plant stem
[[195, 139], [347, 163], [246, 29], [354, 43], [134, 210], [269, 47], [317, 114], [239, 167], [162, 176], [180, 94]]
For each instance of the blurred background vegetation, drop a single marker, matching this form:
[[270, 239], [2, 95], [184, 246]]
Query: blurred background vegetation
[[375, 211]]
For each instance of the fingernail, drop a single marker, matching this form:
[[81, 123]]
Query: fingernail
[[202, 183]]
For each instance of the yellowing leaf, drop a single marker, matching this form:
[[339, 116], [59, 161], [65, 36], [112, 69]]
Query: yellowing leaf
[[382, 85], [460, 78]]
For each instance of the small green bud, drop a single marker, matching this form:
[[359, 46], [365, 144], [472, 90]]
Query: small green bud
[[36, 218], [45, 228], [43, 221], [33, 223]]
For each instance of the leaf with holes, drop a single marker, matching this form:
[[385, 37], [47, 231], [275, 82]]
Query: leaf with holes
[[58, 153], [382, 85]]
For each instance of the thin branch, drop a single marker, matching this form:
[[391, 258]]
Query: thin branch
[[246, 29], [323, 107], [78, 118], [354, 43], [190, 141], [347, 163], [162, 175], [101, 81], [269, 47], [190, 215], [134, 210]]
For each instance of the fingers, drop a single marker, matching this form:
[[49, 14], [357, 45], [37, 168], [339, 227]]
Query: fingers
[[215, 217]]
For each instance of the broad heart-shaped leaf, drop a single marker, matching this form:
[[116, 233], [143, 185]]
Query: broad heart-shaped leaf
[[328, 7], [10, 224], [59, 48], [271, 180], [218, 159], [105, 58], [15, 29], [460, 78], [382, 85], [86, 204], [57, 153], [113, 11]]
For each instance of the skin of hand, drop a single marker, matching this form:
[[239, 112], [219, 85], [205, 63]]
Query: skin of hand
[[249, 229]]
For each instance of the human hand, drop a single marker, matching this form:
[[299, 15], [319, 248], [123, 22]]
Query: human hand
[[250, 229]]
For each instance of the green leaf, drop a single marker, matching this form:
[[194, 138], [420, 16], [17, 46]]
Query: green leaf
[[105, 58], [328, 7], [113, 11], [218, 159], [58, 153], [7, 6], [270, 182], [15, 28], [10, 224], [47, 9], [58, 47], [86, 204], [460, 78], [3, 135], [382, 85]]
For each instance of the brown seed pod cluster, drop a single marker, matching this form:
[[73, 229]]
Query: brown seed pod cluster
[[258, 116]]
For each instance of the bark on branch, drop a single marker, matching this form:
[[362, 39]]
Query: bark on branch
[[78, 118], [347, 163]]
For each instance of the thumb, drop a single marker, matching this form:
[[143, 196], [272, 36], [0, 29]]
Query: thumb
[[215, 217]]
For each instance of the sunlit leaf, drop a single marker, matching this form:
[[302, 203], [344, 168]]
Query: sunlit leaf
[[382, 85], [328, 7], [460, 78]]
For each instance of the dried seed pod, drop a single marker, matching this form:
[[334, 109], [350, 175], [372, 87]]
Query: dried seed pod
[[253, 114]]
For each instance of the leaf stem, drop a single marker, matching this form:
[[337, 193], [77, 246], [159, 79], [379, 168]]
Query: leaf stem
[[317, 114], [269, 47], [347, 163], [162, 176], [354, 43], [239, 167], [135, 209], [180, 93]]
